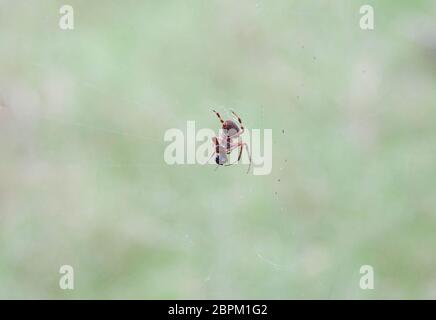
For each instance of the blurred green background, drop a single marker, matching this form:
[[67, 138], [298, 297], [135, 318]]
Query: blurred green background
[[82, 177]]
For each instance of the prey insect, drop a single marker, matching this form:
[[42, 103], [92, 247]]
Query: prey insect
[[225, 143]]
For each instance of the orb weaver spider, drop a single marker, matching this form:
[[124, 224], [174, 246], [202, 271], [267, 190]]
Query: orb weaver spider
[[225, 143]]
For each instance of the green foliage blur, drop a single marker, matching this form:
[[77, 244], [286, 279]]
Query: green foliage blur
[[82, 176]]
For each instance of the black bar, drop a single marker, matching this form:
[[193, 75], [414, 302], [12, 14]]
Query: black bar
[[219, 309]]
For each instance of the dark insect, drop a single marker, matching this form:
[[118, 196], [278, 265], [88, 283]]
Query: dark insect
[[225, 144]]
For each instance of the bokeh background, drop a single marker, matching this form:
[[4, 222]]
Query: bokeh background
[[83, 181]]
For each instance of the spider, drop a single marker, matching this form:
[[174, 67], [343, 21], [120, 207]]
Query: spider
[[224, 144]]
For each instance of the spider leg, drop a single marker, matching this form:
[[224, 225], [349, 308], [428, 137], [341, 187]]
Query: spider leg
[[239, 155], [216, 143], [219, 117], [239, 119], [209, 158], [241, 145], [249, 156], [233, 147]]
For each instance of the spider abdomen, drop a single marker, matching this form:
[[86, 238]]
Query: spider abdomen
[[229, 125]]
